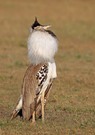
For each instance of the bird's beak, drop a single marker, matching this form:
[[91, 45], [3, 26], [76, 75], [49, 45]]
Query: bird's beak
[[42, 27], [46, 27]]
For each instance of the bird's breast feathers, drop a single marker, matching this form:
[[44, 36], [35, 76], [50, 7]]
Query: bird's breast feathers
[[41, 47]]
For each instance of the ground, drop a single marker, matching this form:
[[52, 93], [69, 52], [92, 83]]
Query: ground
[[71, 105]]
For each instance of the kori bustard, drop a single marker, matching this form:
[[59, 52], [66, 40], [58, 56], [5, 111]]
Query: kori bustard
[[38, 78]]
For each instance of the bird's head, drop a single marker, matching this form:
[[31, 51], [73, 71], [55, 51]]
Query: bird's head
[[37, 26]]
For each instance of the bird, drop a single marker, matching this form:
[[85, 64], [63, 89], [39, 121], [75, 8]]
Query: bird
[[42, 46]]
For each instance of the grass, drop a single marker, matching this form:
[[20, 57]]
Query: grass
[[71, 106]]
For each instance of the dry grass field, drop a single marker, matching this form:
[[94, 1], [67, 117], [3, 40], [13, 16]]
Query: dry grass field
[[71, 106]]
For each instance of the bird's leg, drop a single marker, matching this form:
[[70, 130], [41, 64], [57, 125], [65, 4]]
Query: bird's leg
[[17, 108], [34, 111], [42, 103], [33, 117]]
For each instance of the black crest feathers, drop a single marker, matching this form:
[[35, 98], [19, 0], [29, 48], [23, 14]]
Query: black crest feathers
[[36, 23]]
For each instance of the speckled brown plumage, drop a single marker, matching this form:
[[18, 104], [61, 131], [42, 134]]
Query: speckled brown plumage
[[33, 81]]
